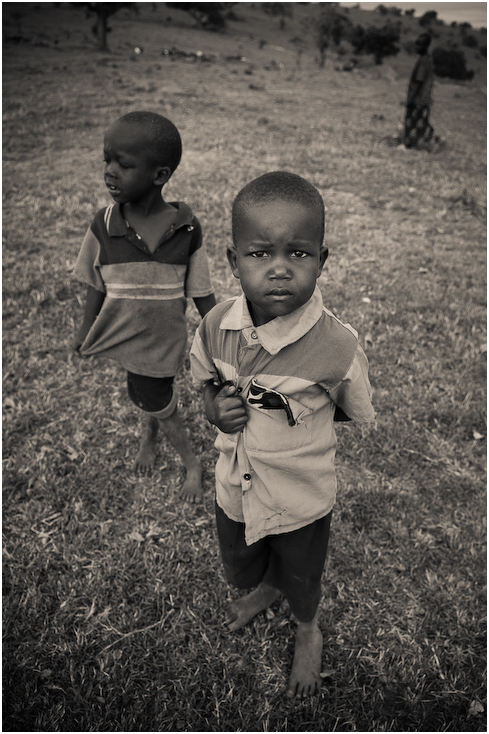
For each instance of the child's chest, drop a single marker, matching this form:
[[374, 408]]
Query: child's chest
[[151, 232]]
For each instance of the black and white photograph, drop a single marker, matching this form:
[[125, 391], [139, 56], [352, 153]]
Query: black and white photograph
[[244, 367]]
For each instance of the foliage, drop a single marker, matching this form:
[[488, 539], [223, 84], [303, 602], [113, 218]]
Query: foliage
[[103, 12], [410, 13], [380, 42], [330, 29], [208, 15], [470, 41], [451, 64], [427, 18], [388, 10], [278, 9]]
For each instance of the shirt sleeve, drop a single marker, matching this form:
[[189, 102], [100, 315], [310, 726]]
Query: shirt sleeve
[[353, 394], [198, 279], [202, 366], [87, 266]]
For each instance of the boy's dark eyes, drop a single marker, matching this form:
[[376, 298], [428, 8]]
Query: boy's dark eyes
[[108, 160], [296, 254]]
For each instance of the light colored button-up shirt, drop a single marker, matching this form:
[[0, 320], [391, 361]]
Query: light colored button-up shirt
[[277, 474]]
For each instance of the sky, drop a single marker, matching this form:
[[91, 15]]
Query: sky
[[473, 13]]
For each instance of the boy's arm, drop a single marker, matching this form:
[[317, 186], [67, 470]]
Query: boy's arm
[[93, 304], [224, 408], [205, 303], [353, 394]]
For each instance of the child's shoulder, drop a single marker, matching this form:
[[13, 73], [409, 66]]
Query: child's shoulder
[[215, 316], [335, 324], [210, 326]]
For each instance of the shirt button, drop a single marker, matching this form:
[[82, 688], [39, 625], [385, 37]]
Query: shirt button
[[247, 477], [239, 389], [254, 335]]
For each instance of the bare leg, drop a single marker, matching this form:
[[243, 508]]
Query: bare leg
[[305, 679], [176, 434], [145, 459], [242, 611]]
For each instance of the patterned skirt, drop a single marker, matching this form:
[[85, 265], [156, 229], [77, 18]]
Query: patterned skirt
[[417, 128]]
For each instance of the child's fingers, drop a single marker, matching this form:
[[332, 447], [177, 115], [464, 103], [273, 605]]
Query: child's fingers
[[228, 388]]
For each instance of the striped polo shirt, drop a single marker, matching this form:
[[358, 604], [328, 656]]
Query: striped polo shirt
[[278, 474], [142, 321]]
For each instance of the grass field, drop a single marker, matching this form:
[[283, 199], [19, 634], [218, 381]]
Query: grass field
[[113, 595]]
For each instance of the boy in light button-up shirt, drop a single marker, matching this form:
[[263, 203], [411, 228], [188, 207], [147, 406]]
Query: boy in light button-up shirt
[[276, 366]]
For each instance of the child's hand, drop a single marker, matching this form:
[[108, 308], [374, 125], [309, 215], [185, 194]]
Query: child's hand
[[225, 408]]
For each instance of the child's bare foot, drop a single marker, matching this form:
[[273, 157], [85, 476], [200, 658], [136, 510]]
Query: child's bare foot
[[145, 461], [242, 611], [192, 487], [305, 679], [146, 457]]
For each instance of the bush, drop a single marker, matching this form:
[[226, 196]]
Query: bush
[[483, 51], [470, 41], [275, 9], [451, 64], [380, 42], [428, 18]]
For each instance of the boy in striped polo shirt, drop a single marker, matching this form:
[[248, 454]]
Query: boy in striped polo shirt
[[277, 368], [141, 258]]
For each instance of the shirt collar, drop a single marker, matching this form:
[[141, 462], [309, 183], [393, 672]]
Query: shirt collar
[[117, 226], [281, 331]]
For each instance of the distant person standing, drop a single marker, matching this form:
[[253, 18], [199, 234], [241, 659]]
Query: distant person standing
[[417, 128]]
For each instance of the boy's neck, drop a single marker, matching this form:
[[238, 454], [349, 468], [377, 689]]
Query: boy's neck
[[151, 223], [150, 206]]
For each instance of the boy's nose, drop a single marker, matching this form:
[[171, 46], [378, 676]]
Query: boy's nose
[[109, 170], [280, 269]]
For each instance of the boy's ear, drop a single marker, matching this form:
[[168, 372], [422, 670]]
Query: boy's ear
[[323, 256], [231, 253], [162, 175]]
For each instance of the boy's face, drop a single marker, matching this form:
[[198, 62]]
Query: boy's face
[[130, 174], [278, 256]]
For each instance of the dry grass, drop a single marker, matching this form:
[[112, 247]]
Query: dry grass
[[113, 592]]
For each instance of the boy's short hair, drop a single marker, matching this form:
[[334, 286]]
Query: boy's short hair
[[276, 186], [163, 139]]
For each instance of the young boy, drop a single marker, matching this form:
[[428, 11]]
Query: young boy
[[141, 258], [275, 365]]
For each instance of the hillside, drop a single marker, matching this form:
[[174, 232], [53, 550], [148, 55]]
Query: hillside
[[156, 26]]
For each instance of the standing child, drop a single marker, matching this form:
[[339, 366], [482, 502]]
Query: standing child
[[275, 365], [417, 127], [141, 258]]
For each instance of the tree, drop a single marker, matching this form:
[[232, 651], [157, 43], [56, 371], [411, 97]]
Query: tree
[[103, 11], [332, 27], [283, 9], [208, 15], [410, 13], [428, 18], [380, 42], [470, 41], [451, 64]]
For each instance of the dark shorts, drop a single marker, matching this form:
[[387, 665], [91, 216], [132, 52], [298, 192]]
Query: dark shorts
[[152, 394], [291, 562]]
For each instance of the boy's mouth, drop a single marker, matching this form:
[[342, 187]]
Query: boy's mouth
[[113, 189], [279, 294]]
